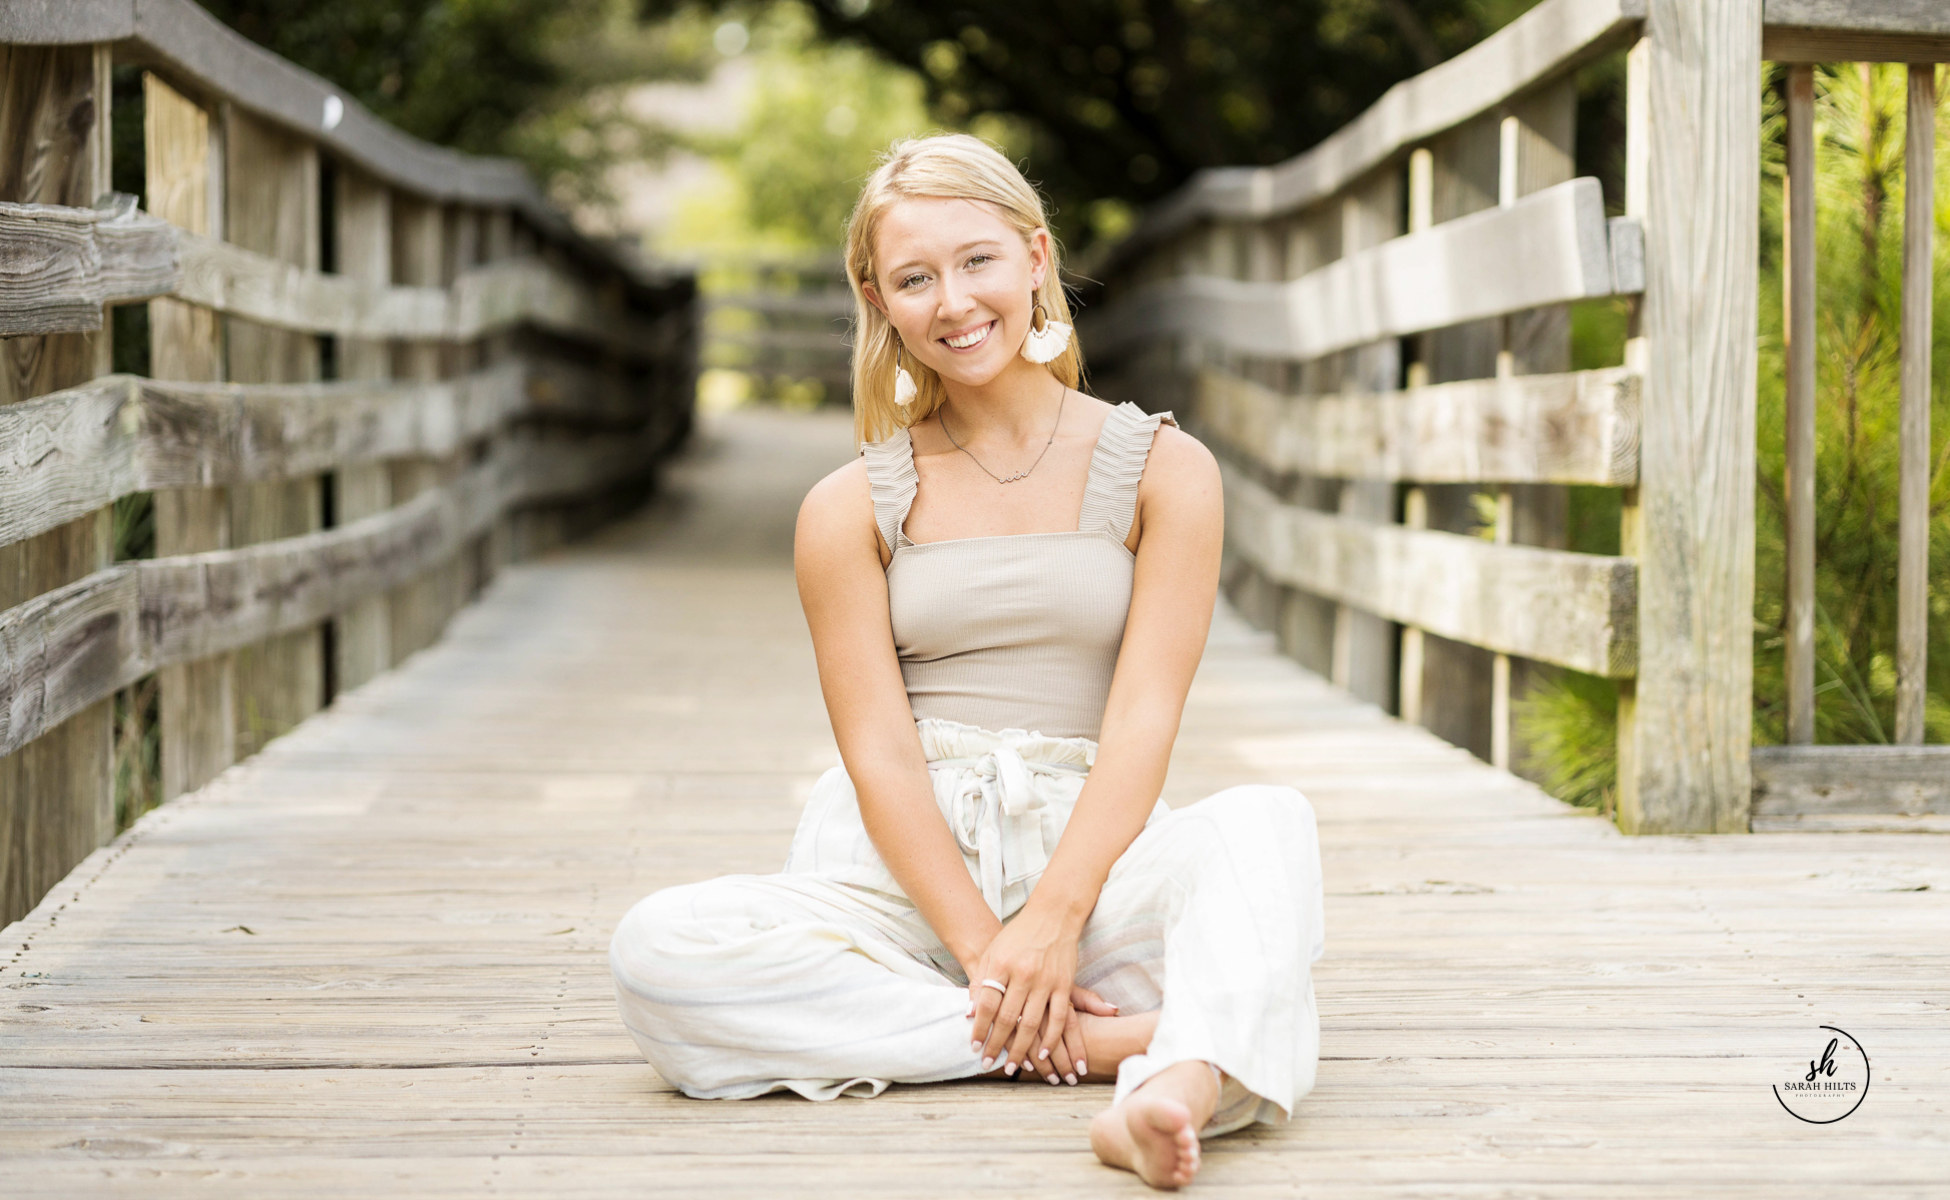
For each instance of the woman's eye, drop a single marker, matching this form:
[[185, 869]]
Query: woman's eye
[[979, 259], [910, 281]]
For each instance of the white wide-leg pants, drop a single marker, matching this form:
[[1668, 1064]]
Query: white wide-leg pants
[[825, 979]]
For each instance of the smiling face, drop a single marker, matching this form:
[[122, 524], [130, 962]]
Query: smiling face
[[955, 281]]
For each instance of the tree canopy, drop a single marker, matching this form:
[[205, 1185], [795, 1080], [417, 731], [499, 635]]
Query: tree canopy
[[1127, 98]]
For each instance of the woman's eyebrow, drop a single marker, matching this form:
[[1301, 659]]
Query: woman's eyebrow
[[964, 248]]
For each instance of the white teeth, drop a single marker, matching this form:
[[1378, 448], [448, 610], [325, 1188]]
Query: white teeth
[[968, 339]]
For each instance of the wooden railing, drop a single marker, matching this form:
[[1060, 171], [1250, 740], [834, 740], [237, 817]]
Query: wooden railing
[[1375, 337], [375, 371], [785, 323]]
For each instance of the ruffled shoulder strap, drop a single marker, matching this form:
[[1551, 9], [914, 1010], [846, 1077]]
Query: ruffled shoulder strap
[[890, 474], [1116, 466]]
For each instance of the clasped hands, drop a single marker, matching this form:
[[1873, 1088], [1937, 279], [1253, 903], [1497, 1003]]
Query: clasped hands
[[1024, 999]]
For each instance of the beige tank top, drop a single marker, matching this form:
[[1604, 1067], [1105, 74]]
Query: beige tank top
[[1017, 631]]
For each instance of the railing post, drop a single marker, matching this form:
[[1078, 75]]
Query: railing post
[[57, 798], [365, 250], [271, 203], [1799, 324], [184, 180], [1691, 728], [1913, 488]]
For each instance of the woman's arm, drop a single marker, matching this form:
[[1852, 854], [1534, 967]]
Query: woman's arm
[[843, 589], [1179, 533]]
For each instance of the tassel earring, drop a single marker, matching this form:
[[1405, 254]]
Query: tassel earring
[[904, 389], [1047, 340]]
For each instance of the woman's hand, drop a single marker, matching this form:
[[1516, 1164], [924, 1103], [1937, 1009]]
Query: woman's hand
[[1035, 958]]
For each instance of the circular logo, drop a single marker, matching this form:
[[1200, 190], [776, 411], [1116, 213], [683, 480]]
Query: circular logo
[[1832, 1083]]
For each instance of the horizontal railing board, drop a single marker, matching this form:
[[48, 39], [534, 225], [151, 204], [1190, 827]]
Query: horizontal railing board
[[75, 646], [207, 58], [1551, 247], [1580, 427], [1863, 16], [836, 303], [1788, 44], [68, 453], [1574, 610], [1546, 41], [59, 266], [1868, 780]]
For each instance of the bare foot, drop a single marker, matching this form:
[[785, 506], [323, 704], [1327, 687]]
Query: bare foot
[[1154, 1132]]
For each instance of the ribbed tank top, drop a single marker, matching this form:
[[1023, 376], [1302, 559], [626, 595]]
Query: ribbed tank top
[[1016, 631]]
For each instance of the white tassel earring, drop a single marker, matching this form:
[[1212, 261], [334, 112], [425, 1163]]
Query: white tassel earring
[[1047, 340], [904, 389]]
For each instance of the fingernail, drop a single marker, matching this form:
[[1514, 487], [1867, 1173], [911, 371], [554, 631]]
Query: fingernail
[[1044, 1054], [1070, 1079], [1052, 1081], [974, 1047], [987, 1063], [1083, 1068], [1010, 1069]]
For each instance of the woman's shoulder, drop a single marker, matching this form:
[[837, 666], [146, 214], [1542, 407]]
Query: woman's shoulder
[[841, 501]]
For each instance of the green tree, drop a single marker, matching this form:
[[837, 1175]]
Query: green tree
[[1126, 98], [533, 79]]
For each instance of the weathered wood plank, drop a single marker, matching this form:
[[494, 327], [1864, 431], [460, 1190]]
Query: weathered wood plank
[[1816, 31], [1907, 781], [1692, 721], [1575, 610], [59, 266], [1548, 248], [1913, 442], [1580, 427], [57, 796]]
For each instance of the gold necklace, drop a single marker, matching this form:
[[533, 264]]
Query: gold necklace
[[1024, 473]]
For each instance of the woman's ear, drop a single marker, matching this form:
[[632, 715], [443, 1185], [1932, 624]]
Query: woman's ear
[[871, 291], [1039, 248]]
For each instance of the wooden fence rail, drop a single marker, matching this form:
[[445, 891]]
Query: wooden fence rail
[[376, 370], [1375, 337]]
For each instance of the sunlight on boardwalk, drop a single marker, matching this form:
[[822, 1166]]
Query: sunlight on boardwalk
[[371, 961]]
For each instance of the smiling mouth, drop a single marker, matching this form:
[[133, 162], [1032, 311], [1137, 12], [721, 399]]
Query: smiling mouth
[[969, 340]]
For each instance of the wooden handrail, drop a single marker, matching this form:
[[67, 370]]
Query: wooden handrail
[[59, 266], [1548, 248], [1580, 427], [204, 57], [1575, 610], [76, 645]]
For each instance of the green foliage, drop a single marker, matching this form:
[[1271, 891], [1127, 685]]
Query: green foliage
[[1859, 190], [534, 79], [1123, 99], [1569, 726]]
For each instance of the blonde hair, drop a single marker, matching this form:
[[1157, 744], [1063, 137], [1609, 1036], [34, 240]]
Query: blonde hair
[[954, 166]]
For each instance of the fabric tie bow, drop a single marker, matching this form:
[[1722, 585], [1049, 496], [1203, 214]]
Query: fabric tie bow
[[996, 814]]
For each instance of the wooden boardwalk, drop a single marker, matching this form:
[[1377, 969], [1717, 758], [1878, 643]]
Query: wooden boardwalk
[[371, 961]]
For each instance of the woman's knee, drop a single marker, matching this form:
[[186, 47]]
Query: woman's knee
[[658, 927], [1260, 804]]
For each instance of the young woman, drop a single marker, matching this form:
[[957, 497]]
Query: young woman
[[1008, 594]]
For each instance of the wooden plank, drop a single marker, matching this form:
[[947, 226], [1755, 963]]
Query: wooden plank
[[1514, 998], [65, 454], [1904, 781], [57, 800], [59, 266], [419, 259], [1549, 248], [1551, 38], [1913, 442], [184, 179], [1574, 610], [271, 196], [1798, 326], [1694, 693], [64, 651], [1817, 31], [1579, 427]]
